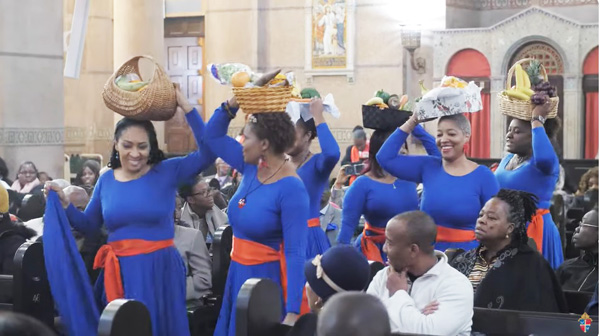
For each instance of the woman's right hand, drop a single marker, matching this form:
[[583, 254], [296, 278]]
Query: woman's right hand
[[410, 124], [341, 178], [182, 101], [61, 194]]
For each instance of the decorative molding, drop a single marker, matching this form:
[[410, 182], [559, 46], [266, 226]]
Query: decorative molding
[[488, 4], [564, 3], [572, 83], [31, 136]]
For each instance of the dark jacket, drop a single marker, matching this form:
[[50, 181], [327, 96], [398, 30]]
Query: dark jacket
[[12, 236], [521, 279], [579, 274]]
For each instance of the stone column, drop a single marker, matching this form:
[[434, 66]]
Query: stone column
[[497, 119], [31, 78], [572, 117], [139, 30]]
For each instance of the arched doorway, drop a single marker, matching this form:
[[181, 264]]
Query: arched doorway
[[471, 65], [590, 89], [554, 65]]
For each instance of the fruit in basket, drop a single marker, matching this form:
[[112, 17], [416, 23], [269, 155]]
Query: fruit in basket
[[125, 82], [403, 101], [516, 94], [374, 101], [266, 78], [522, 77], [309, 93], [240, 79], [394, 102], [383, 95], [424, 90], [279, 80], [454, 82], [539, 98], [526, 91], [534, 72], [547, 88]]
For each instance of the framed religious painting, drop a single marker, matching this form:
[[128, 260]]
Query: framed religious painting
[[330, 38]]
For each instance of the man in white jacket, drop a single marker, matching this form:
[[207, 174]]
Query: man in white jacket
[[422, 293]]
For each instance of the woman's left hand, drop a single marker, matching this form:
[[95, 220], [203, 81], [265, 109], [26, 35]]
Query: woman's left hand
[[290, 319], [182, 101]]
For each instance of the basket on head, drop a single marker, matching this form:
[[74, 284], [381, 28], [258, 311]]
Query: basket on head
[[521, 109], [157, 101], [383, 119], [263, 99]]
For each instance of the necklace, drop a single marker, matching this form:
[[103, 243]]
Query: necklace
[[242, 201]]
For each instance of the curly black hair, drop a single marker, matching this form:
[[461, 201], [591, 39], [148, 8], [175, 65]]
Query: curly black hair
[[377, 139], [308, 126], [522, 206], [156, 155], [275, 127]]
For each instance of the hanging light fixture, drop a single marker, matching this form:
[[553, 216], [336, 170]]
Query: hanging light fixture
[[411, 41]]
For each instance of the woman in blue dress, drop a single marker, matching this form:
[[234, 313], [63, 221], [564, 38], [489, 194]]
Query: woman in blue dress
[[454, 187], [268, 213], [134, 201], [314, 170], [378, 196], [532, 166]]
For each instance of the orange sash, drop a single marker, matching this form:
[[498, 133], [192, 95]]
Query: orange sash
[[249, 253], [535, 230], [450, 235], [356, 156], [367, 243], [314, 222], [107, 258]]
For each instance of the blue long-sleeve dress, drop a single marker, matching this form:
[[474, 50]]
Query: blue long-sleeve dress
[[315, 175], [379, 201], [138, 209], [273, 214], [538, 176], [453, 202]]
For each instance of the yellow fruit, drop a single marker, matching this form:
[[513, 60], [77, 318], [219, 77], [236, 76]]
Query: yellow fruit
[[516, 94], [519, 73], [240, 79], [374, 101], [526, 91]]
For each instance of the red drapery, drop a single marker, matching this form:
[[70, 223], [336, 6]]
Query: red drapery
[[590, 67], [471, 63], [591, 125], [479, 145]]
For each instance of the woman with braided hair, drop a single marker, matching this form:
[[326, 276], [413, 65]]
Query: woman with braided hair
[[506, 273]]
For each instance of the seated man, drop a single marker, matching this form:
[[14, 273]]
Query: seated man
[[330, 217], [353, 314], [191, 246], [438, 300], [200, 210], [581, 273]]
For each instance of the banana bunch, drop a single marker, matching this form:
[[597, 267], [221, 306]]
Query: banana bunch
[[454, 82], [522, 91]]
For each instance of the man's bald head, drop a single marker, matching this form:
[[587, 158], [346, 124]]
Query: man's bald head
[[353, 314], [417, 226], [77, 196]]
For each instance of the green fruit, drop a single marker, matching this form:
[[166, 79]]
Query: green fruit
[[309, 93], [383, 95]]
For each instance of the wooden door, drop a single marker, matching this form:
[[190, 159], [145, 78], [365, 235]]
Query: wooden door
[[184, 57]]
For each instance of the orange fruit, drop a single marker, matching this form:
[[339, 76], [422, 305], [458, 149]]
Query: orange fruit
[[240, 79]]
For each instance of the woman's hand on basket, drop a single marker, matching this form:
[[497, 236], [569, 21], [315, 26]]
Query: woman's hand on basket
[[61, 194], [316, 110], [542, 110], [182, 101], [410, 124]]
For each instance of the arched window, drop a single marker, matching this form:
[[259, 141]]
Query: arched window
[[471, 65], [590, 88]]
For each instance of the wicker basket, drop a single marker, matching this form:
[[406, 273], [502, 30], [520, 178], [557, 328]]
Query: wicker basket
[[386, 119], [522, 109], [157, 101], [263, 99]]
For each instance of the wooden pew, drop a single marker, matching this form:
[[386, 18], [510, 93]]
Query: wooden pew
[[125, 318], [497, 322], [577, 301], [28, 289]]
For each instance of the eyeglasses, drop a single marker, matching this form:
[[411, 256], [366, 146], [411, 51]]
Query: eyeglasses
[[205, 193], [582, 224]]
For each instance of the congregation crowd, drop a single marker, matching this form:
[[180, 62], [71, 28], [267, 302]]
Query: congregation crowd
[[452, 234]]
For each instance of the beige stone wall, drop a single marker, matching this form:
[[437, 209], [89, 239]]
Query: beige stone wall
[[31, 98], [88, 123]]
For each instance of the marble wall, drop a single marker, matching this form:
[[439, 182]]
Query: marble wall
[[31, 94]]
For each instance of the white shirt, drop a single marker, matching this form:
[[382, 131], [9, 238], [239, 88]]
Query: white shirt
[[442, 283]]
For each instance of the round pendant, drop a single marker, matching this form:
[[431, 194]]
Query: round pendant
[[241, 203]]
